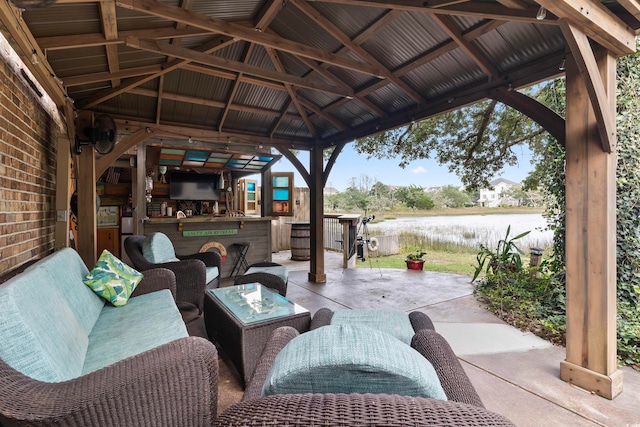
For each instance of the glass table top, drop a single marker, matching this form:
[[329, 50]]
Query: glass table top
[[253, 303]]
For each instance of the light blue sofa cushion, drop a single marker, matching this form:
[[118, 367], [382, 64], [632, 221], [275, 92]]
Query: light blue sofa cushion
[[395, 323], [157, 248], [351, 359], [65, 271], [212, 273], [40, 335], [146, 322]]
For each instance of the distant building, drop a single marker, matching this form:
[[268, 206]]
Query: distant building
[[495, 197], [329, 191]]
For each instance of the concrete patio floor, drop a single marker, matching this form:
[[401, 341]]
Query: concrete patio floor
[[515, 373]]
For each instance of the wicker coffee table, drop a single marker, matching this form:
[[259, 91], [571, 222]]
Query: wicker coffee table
[[241, 319]]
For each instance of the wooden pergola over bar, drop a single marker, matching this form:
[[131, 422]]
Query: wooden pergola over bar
[[315, 75]]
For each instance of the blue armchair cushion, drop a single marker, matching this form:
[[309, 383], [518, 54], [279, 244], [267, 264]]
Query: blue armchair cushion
[[211, 273], [277, 270], [157, 248], [395, 323], [112, 279], [351, 359]]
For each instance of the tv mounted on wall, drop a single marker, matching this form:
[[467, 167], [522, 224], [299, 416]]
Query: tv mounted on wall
[[193, 186]]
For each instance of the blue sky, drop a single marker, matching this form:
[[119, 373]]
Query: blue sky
[[425, 173]]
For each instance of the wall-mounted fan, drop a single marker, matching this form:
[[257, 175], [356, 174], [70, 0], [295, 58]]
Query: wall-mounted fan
[[102, 135]]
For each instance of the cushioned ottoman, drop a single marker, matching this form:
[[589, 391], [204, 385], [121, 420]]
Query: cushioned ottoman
[[351, 359]]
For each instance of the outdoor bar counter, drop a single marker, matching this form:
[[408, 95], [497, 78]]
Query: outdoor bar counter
[[190, 234]]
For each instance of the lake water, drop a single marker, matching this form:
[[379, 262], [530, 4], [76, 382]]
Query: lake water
[[470, 230]]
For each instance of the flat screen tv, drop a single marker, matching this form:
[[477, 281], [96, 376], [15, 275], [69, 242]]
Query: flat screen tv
[[193, 186]]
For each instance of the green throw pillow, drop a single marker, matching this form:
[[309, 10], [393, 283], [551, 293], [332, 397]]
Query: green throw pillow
[[112, 279]]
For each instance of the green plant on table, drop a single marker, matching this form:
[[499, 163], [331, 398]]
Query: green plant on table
[[506, 256], [416, 256]]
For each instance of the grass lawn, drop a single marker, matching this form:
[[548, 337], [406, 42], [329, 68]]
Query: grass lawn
[[441, 261]]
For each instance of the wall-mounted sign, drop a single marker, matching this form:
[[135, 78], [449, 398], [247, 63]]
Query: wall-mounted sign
[[200, 233]]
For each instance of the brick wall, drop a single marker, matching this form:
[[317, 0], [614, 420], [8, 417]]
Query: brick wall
[[28, 171]]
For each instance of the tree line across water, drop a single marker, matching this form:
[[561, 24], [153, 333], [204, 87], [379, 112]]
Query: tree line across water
[[367, 194]]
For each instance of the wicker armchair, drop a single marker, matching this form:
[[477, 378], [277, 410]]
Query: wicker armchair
[[173, 384], [464, 407], [267, 279], [190, 271]]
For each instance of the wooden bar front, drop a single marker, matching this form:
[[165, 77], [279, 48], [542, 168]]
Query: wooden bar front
[[190, 234]]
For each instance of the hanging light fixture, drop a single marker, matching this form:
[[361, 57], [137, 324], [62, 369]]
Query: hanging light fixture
[[542, 13]]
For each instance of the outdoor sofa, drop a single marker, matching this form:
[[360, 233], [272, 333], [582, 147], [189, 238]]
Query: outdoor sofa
[[68, 357], [463, 407]]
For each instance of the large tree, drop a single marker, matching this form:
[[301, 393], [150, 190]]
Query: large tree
[[475, 142]]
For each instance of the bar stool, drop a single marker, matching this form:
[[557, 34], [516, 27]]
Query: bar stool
[[241, 259]]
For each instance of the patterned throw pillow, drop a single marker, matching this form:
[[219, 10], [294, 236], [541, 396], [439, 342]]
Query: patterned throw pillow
[[112, 279]]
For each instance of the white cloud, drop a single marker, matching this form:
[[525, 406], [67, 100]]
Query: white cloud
[[419, 170]]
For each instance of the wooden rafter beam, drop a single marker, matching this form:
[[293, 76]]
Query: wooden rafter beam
[[110, 30], [632, 6], [212, 46], [596, 21], [236, 84], [475, 9], [84, 79], [474, 53], [283, 111], [346, 41], [203, 58], [445, 47], [545, 68], [538, 112], [292, 93], [267, 14], [173, 13], [12, 20], [201, 133], [96, 39], [588, 66]]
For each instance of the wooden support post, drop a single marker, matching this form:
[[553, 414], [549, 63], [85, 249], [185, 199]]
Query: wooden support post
[[591, 239], [87, 222], [316, 215], [63, 191]]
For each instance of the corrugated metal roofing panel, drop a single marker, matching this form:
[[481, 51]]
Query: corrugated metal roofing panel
[[454, 69], [236, 10], [247, 122], [260, 58], [294, 25], [351, 20], [404, 38], [292, 129], [189, 83], [63, 19], [512, 45], [391, 97], [78, 61], [130, 58], [129, 105], [261, 97]]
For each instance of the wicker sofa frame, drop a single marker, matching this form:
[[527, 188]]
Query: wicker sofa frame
[[171, 385]]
